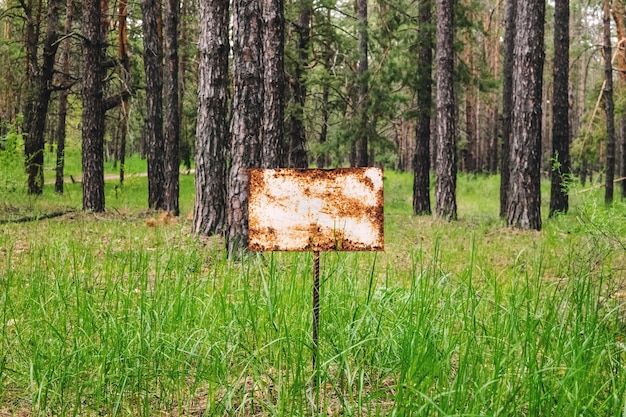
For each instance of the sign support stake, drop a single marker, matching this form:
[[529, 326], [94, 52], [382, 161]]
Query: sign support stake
[[316, 304]]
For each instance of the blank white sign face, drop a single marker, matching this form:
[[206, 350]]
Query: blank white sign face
[[316, 210]]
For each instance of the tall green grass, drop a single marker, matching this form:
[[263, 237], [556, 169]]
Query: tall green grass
[[106, 315]]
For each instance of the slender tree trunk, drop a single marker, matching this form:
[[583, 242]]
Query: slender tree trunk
[[246, 121], [153, 64], [608, 104], [445, 185], [95, 25], [212, 136], [421, 159], [363, 75], [34, 145], [507, 102], [172, 113], [469, 153], [560, 110], [298, 157], [124, 74], [524, 194], [274, 83], [65, 80]]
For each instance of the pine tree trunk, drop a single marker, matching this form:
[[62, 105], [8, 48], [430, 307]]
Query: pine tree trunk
[[298, 157], [125, 77], [209, 213], [246, 118], [34, 145], [507, 102], [524, 194], [560, 109], [362, 74], [274, 83], [172, 113], [153, 64], [95, 25], [608, 105], [421, 159], [445, 184], [61, 127]]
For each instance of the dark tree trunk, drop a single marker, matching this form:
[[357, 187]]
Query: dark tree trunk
[[34, 145], [608, 105], [124, 74], [95, 25], [153, 64], [172, 113], [209, 213], [246, 118], [32, 27], [445, 185], [524, 193], [362, 74], [560, 109], [421, 159], [298, 157], [507, 102], [274, 84], [65, 80]]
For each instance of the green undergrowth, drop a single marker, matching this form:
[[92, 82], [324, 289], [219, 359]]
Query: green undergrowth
[[127, 314]]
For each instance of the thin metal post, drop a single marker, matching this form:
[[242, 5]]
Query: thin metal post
[[316, 303]]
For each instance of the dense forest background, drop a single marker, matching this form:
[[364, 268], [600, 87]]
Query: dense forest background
[[341, 80]]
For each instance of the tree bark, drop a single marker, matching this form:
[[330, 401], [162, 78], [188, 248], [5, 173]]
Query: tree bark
[[560, 109], [65, 80], [209, 213], [274, 84], [298, 157], [95, 25], [172, 109], [421, 158], [363, 80], [126, 80], [609, 106], [153, 64], [524, 193], [507, 102], [246, 118], [445, 184], [41, 89]]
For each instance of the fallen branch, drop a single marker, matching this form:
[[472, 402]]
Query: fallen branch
[[37, 217], [600, 185]]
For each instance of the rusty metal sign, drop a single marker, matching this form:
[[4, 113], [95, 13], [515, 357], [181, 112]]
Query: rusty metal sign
[[316, 210]]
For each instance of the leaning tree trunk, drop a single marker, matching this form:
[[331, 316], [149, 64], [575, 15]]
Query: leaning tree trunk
[[172, 114], [608, 104], [445, 184], [209, 212], [421, 158], [95, 25], [524, 193], [246, 118], [34, 145], [560, 109], [274, 83], [153, 64]]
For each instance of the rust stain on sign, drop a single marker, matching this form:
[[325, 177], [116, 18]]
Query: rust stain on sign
[[316, 210]]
